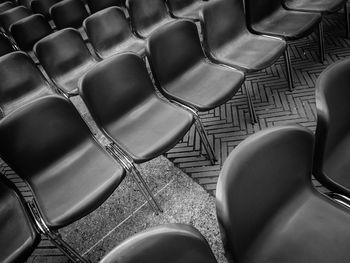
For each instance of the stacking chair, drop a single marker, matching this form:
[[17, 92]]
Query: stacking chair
[[6, 45], [43, 6], [13, 15], [27, 31], [97, 5], [321, 6], [268, 209], [184, 75], [50, 147], [148, 15], [6, 6], [65, 58], [188, 9], [227, 40], [68, 13], [171, 243], [109, 32], [21, 82], [18, 234], [271, 18], [120, 97], [332, 149]]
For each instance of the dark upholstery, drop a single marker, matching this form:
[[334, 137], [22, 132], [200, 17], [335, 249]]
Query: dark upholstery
[[268, 209], [185, 74], [43, 6], [271, 18], [65, 58], [13, 15], [68, 13], [119, 94], [21, 81], [109, 32], [228, 40], [29, 30], [188, 9], [323, 6], [172, 243], [332, 152], [146, 16], [97, 5], [5, 45], [48, 144], [6, 6], [18, 237]]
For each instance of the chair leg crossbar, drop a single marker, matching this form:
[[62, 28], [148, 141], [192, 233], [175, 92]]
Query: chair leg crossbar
[[54, 236], [129, 166]]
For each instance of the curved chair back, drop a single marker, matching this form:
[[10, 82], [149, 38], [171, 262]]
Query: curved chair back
[[21, 81], [177, 5], [146, 16], [65, 58], [5, 45], [97, 5], [333, 128], [6, 6], [257, 180], [43, 6], [13, 15], [18, 236], [170, 243], [25, 3]]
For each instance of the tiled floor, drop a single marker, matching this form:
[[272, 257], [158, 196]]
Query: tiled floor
[[183, 200]]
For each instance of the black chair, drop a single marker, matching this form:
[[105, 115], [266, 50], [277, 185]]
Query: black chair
[[146, 16], [268, 209], [48, 145], [271, 18], [109, 32], [65, 58], [185, 75], [321, 6], [6, 46], [6, 6], [13, 15], [121, 99], [227, 40], [171, 243], [97, 5], [68, 13], [188, 9], [332, 132], [29, 30], [43, 7], [18, 235], [21, 82]]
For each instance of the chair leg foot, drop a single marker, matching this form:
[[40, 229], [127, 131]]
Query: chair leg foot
[[347, 20], [321, 41], [288, 64], [252, 113]]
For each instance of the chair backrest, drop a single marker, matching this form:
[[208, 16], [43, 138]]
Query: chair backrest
[[21, 81], [62, 53], [97, 5], [333, 113], [6, 6], [177, 5], [13, 15], [258, 178], [107, 29], [166, 53], [170, 243], [68, 13], [115, 86], [146, 15], [25, 3], [18, 236], [5, 45], [257, 10], [43, 6], [222, 21]]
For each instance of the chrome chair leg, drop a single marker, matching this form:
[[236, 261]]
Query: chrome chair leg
[[347, 21], [252, 113], [54, 236], [321, 41], [288, 64]]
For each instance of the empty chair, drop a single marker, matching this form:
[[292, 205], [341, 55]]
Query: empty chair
[[68, 13], [271, 18], [43, 6], [21, 81], [13, 15], [27, 31], [6, 6], [146, 16], [109, 32], [185, 75], [171, 243], [333, 132], [189, 9], [47, 144], [97, 5], [269, 211], [6, 45], [65, 58]]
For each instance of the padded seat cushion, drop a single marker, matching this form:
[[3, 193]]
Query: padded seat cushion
[[324, 6]]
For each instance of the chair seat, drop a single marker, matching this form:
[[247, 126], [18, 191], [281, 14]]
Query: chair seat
[[190, 12], [323, 6], [96, 175], [287, 23], [150, 129], [205, 85], [134, 45], [310, 228], [147, 31], [250, 52]]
